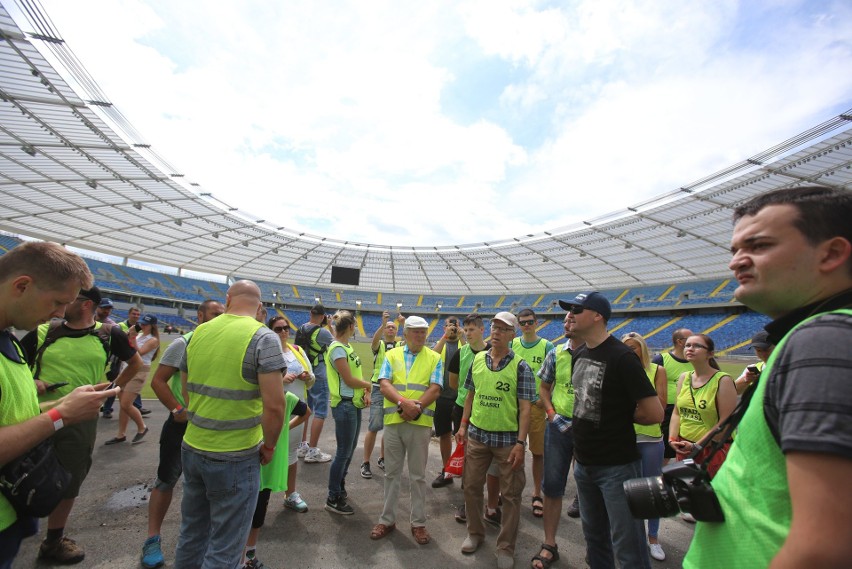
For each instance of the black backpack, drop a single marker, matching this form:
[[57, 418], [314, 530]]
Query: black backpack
[[306, 338]]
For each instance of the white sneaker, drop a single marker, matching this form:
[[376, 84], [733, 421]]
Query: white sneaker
[[302, 449], [470, 544], [687, 518], [316, 455], [656, 551]]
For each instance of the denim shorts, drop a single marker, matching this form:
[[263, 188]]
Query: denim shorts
[[318, 398], [377, 410], [170, 469], [558, 452]]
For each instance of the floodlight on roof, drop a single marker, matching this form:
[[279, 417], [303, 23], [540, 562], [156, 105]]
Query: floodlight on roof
[[178, 222], [358, 303], [92, 184], [29, 149], [138, 205]]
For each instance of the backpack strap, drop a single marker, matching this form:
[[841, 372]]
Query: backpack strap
[[56, 330]]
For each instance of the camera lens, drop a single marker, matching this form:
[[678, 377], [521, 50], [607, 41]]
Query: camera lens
[[650, 498]]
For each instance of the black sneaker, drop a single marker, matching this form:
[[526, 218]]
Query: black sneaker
[[381, 463], [343, 493], [461, 514], [339, 506], [145, 412], [365, 470], [441, 481], [573, 510], [494, 519]]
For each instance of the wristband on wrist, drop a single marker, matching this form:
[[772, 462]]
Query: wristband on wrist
[[178, 410], [270, 449], [56, 418]]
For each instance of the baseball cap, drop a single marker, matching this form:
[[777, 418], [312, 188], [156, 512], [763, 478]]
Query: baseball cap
[[106, 303], [506, 318], [761, 340], [93, 294], [591, 300], [415, 322], [148, 319]]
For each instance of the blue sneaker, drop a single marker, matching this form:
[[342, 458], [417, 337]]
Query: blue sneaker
[[152, 555]]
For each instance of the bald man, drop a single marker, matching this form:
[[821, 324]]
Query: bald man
[[233, 367]]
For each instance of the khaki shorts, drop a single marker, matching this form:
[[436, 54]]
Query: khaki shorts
[[538, 423], [136, 384]]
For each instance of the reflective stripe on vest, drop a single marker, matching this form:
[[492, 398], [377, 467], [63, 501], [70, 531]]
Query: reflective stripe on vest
[[410, 384], [225, 410]]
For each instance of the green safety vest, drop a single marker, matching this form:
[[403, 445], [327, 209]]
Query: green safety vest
[[465, 361], [674, 369], [654, 430], [752, 489], [18, 403], [379, 358], [411, 384], [79, 361], [495, 398], [697, 407], [335, 381], [534, 356], [562, 395], [224, 409]]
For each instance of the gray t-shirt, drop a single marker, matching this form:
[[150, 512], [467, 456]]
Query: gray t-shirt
[[325, 339], [808, 403], [174, 353]]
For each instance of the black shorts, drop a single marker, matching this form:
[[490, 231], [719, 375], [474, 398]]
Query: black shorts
[[668, 452], [170, 467], [444, 423]]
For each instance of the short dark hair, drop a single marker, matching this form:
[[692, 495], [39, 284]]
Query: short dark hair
[[823, 212], [526, 312], [205, 306], [452, 320], [473, 319], [317, 309]]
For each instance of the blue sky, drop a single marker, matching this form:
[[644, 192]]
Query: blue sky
[[451, 122]]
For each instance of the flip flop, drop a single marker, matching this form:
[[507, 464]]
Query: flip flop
[[537, 506]]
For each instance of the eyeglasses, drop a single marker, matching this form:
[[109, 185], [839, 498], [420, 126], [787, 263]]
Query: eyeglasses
[[696, 346], [279, 329], [526, 322], [501, 329], [574, 309]]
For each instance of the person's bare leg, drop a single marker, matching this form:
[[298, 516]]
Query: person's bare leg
[[58, 518], [538, 473], [369, 445], [291, 477], [316, 431], [158, 507], [552, 511]]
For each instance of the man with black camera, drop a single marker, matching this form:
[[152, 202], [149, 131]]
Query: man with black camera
[[611, 392], [783, 488]]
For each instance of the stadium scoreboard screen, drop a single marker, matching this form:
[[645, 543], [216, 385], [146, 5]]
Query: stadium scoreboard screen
[[345, 275]]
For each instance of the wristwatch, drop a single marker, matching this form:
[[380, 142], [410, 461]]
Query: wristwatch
[[522, 443]]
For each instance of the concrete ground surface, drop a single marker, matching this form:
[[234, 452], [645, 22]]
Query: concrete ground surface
[[110, 517]]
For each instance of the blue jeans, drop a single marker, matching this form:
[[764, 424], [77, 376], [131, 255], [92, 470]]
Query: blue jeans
[[558, 452], [377, 410], [11, 538], [318, 394], [219, 498], [347, 426], [652, 465], [607, 523]]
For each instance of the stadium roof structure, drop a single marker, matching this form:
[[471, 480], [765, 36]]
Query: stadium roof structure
[[73, 170]]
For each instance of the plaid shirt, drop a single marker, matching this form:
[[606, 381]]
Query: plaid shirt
[[526, 390]]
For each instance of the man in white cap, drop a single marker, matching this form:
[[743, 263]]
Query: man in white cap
[[410, 380], [494, 425]]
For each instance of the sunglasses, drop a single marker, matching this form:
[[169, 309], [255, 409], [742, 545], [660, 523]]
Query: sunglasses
[[576, 309], [526, 322], [279, 329]]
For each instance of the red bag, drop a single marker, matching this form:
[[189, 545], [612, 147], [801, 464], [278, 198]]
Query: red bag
[[715, 462], [455, 464]]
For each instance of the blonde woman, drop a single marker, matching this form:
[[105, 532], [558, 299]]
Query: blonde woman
[[649, 438], [298, 379]]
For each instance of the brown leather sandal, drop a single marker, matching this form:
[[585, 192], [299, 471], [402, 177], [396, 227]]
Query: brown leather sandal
[[381, 530]]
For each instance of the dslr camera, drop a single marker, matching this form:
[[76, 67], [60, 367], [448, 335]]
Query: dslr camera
[[682, 487]]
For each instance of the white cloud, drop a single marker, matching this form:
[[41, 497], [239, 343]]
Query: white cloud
[[330, 118]]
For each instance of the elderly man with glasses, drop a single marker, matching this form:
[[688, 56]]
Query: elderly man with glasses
[[494, 425]]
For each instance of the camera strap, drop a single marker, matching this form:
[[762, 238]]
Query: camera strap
[[726, 427]]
